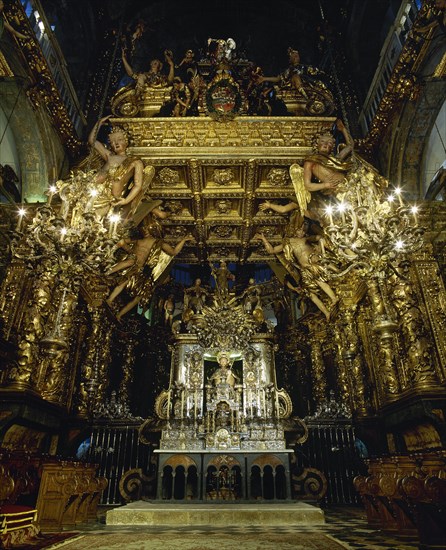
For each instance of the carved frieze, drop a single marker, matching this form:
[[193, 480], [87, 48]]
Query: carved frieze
[[196, 135]]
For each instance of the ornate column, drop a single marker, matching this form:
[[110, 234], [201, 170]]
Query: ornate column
[[342, 378], [103, 363], [317, 335], [23, 375], [434, 296], [353, 360], [88, 374], [420, 365], [127, 369], [13, 297], [54, 377], [385, 326]]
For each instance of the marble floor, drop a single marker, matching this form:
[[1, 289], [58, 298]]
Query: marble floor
[[345, 523]]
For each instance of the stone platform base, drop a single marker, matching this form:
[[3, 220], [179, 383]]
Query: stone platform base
[[261, 514]]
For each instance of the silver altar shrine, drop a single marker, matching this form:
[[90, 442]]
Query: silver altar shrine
[[224, 417]]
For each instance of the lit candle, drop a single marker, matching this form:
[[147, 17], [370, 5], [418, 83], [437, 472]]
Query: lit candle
[[321, 242], [21, 215], [52, 189], [398, 194], [91, 200], [114, 219], [329, 211], [414, 211], [63, 232]]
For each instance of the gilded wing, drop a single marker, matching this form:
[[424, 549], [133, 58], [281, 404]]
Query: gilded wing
[[164, 260], [148, 175], [302, 194]]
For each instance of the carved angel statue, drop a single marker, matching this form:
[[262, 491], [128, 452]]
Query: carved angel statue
[[147, 259], [123, 180], [326, 174], [299, 255], [328, 169]]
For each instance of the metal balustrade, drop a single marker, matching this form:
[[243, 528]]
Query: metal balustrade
[[389, 55], [56, 62]]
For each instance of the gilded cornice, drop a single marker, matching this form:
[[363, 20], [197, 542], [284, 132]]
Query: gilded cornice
[[266, 137]]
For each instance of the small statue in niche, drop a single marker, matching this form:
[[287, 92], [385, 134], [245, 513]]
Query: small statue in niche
[[222, 275], [195, 297], [251, 297], [169, 310], [224, 374]]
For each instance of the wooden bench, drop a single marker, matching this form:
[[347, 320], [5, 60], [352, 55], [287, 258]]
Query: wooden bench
[[60, 493], [407, 494]]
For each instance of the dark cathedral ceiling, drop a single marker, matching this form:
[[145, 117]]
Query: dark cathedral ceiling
[[263, 30]]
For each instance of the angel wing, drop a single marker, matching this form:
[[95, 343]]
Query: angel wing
[[302, 194], [149, 173], [163, 262], [93, 161]]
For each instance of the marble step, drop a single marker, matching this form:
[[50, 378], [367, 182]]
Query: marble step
[[174, 514]]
